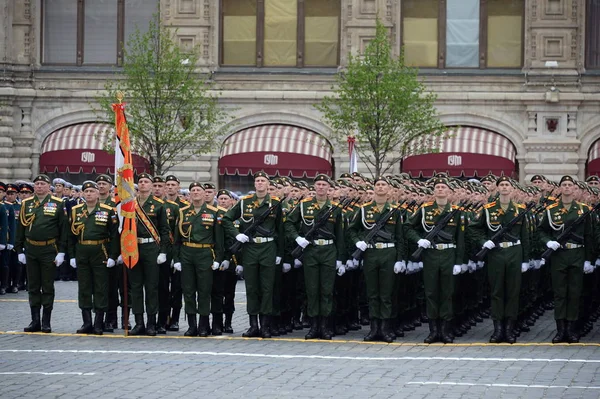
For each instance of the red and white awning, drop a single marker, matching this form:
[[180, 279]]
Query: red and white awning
[[277, 149], [468, 152], [593, 162], [82, 148]]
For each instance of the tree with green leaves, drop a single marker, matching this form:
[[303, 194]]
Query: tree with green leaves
[[171, 114], [381, 102]]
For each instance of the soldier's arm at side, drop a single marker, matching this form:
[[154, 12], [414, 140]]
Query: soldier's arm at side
[[3, 225], [177, 239], [115, 241], [340, 241], [219, 240], [20, 236], [231, 216], [524, 234], [399, 235], [163, 229], [460, 238], [63, 228], [292, 224], [411, 230]]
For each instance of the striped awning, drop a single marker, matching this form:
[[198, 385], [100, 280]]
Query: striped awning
[[81, 148], [469, 151], [277, 149], [593, 161]]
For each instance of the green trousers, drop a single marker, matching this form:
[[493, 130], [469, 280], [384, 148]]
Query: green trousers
[[196, 279], [504, 276], [566, 267], [378, 268], [40, 274], [144, 278], [319, 279], [439, 283], [259, 276], [92, 277]]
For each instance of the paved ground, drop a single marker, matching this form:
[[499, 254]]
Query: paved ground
[[65, 365]]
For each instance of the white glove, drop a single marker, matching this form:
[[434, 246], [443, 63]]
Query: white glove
[[177, 266], [239, 270], [110, 263], [224, 265], [472, 266], [215, 266], [120, 260], [2, 247], [538, 264], [542, 262], [356, 263], [423, 243], [361, 245], [338, 264], [287, 267], [22, 259], [349, 265], [60, 258], [397, 267], [411, 267], [554, 245], [9, 247], [524, 267], [531, 264], [162, 258], [587, 267], [597, 264], [480, 264], [464, 268], [489, 244], [456, 270], [278, 260], [419, 266], [303, 242], [341, 271], [297, 264], [242, 238], [73, 263]]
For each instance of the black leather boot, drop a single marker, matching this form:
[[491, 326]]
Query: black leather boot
[[561, 333], [446, 332], [86, 327], [4, 280], [139, 328], [203, 326], [398, 330], [174, 322], [289, 324], [217, 327], [386, 331], [326, 332], [372, 335], [151, 327], [253, 331], [192, 330], [572, 336], [434, 333], [161, 326], [35, 324], [46, 316], [510, 336], [297, 323], [265, 326], [314, 332], [110, 323], [496, 337], [98, 322], [227, 329], [124, 313], [273, 325]]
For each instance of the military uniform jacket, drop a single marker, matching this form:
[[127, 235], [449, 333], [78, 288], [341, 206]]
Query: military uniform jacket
[[201, 227], [427, 216], [42, 221], [303, 217], [556, 217], [4, 229], [98, 225], [492, 218], [108, 201], [247, 209], [12, 225], [154, 209], [366, 217]]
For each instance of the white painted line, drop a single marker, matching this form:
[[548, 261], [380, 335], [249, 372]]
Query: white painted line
[[320, 357], [468, 384], [42, 373]]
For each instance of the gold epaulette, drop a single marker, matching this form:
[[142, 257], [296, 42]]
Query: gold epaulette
[[212, 208], [276, 198], [307, 199], [160, 201], [522, 206], [454, 207], [82, 204], [489, 205], [221, 208], [103, 206], [427, 204], [552, 205], [367, 203], [56, 198], [247, 196], [172, 202]]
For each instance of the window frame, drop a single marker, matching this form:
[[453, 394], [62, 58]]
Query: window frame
[[260, 36], [588, 36], [483, 37]]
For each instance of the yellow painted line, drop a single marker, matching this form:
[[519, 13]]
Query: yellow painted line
[[334, 341], [27, 300]]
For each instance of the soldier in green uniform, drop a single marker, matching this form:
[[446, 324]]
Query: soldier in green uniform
[[506, 259], [227, 297], [41, 243], [11, 256], [261, 253], [93, 248], [383, 258], [323, 254], [198, 252], [4, 233], [153, 245], [441, 259], [570, 260]]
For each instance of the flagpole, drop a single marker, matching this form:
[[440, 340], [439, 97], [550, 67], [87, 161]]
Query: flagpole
[[125, 289]]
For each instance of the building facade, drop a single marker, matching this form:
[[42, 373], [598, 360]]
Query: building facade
[[520, 79]]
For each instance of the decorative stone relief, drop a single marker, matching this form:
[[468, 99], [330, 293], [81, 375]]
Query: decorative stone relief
[[532, 124], [186, 7], [206, 10], [368, 7], [555, 9], [27, 9], [206, 45]]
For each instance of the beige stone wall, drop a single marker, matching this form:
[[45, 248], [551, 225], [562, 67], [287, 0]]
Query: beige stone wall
[[36, 100]]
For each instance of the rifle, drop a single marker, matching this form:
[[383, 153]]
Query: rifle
[[499, 235], [437, 230], [254, 228], [318, 225], [376, 230], [568, 231]]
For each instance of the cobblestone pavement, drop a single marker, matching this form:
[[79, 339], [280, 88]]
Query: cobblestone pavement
[[65, 365]]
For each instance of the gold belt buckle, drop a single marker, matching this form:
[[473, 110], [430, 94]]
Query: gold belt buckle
[[439, 246]]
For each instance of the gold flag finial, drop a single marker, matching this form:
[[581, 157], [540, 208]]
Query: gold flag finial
[[120, 96]]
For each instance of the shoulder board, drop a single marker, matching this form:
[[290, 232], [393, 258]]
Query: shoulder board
[[275, 198], [307, 199], [103, 206], [184, 202], [427, 203], [334, 203], [489, 205], [184, 207], [221, 209], [26, 199], [160, 201], [552, 205], [56, 198], [454, 206], [367, 203], [248, 196], [522, 206], [212, 208], [172, 202], [82, 204], [551, 198]]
